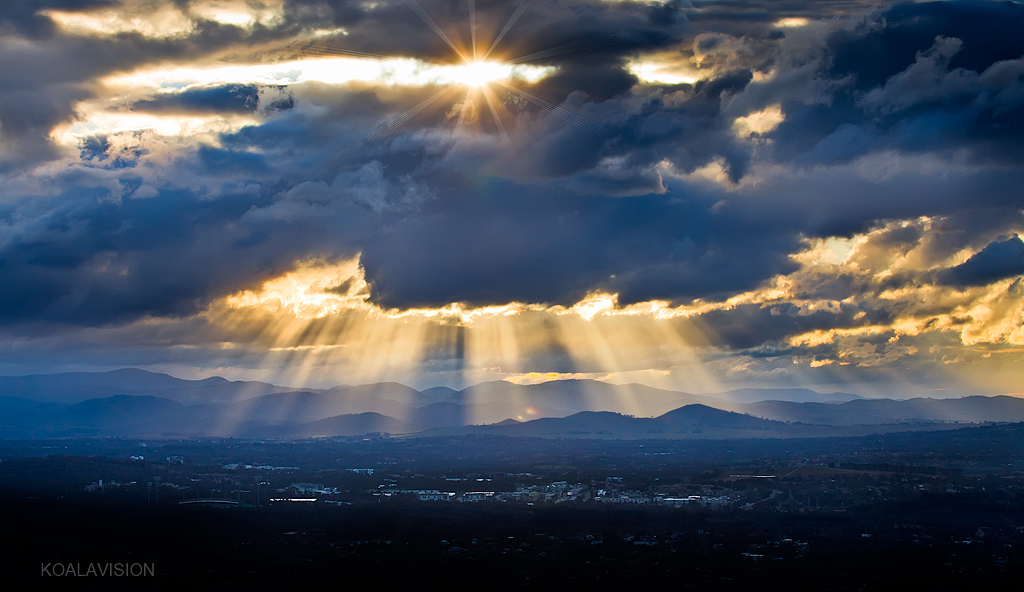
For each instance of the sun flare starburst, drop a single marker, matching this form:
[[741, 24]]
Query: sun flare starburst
[[477, 71]]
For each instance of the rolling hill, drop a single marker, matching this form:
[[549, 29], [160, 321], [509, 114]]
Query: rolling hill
[[144, 404]]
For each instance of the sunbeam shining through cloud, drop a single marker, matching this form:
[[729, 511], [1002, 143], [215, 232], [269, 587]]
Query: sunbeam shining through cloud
[[690, 196]]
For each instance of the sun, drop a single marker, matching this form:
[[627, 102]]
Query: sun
[[477, 74]]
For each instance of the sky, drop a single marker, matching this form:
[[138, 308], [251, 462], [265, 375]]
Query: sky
[[691, 195]]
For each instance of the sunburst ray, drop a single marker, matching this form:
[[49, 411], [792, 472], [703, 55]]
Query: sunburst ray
[[508, 26], [457, 134], [390, 126], [594, 42], [472, 26], [486, 92], [316, 48], [430, 23]]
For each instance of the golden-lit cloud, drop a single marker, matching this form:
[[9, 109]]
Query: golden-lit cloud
[[792, 22], [989, 313], [328, 70], [609, 341], [111, 114], [664, 71], [314, 290], [242, 13], [163, 20], [159, 21], [323, 314], [195, 127], [760, 122], [320, 315]]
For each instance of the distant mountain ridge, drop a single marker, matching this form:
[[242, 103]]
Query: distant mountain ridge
[[133, 402], [689, 422], [796, 395], [74, 387], [887, 411]]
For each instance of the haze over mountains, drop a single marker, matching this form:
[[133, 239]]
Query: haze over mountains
[[138, 403]]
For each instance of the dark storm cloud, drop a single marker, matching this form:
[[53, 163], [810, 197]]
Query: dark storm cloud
[[24, 18], [739, 18], [840, 201], [751, 326], [685, 126], [545, 25], [90, 257], [849, 296], [989, 32], [926, 78], [229, 98], [600, 82], [999, 260], [570, 211], [92, 261], [489, 247]]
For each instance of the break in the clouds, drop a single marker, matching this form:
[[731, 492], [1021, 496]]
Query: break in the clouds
[[689, 194]]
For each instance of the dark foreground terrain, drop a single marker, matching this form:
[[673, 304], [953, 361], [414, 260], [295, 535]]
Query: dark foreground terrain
[[936, 510], [480, 547]]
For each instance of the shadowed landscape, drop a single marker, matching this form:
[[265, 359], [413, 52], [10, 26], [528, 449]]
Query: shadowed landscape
[[137, 403], [886, 493]]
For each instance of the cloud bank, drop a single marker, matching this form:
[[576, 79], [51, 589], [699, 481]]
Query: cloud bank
[[814, 194]]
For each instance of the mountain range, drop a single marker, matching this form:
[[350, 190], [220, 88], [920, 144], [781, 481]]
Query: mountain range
[[138, 403]]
